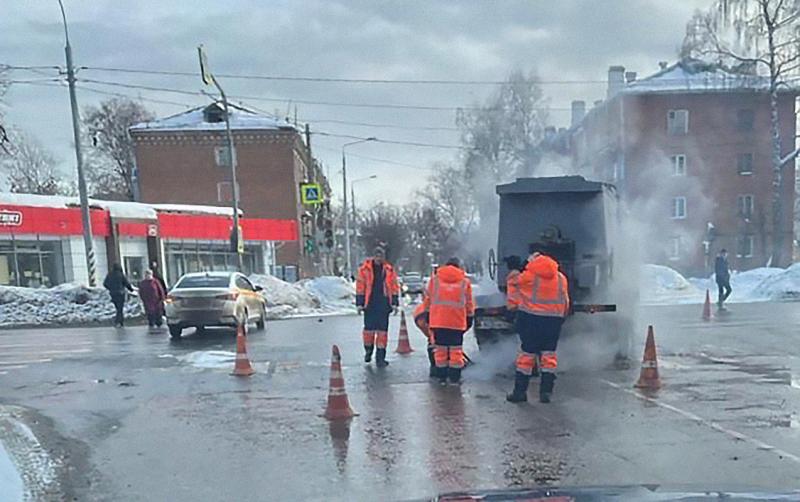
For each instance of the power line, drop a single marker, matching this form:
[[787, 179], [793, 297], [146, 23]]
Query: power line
[[379, 126], [376, 159], [392, 142]]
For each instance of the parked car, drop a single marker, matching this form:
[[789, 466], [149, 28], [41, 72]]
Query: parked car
[[413, 284], [214, 299]]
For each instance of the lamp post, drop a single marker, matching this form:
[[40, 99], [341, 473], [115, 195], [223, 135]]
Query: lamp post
[[91, 267], [208, 78], [347, 266], [353, 196]]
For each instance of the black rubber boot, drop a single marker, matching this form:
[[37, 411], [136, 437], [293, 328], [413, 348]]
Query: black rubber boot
[[368, 353], [546, 387], [454, 375], [380, 358], [441, 375], [520, 392], [432, 372]]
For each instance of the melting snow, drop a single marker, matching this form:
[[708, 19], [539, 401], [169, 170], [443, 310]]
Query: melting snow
[[10, 479], [209, 359]]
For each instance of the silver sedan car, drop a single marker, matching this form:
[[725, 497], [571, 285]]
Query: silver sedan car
[[214, 299]]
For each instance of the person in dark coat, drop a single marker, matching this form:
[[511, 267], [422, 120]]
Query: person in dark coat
[[722, 272], [152, 295], [157, 275], [117, 285]]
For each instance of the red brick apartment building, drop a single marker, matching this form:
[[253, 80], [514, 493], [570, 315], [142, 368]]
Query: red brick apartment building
[[690, 150], [183, 159]]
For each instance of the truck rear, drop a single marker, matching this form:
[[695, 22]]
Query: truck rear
[[568, 218]]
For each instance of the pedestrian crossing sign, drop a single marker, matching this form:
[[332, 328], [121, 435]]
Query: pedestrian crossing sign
[[311, 193]]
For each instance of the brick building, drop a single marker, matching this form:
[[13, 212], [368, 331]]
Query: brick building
[[690, 150], [183, 159]]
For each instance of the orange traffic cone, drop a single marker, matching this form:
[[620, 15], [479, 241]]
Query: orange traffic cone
[[648, 378], [707, 307], [242, 366], [338, 404], [403, 344]]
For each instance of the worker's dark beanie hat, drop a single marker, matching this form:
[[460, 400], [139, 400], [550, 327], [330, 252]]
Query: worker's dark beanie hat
[[379, 252], [454, 261]]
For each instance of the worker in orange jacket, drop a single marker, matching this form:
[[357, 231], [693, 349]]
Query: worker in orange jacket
[[515, 267], [451, 314], [377, 295], [421, 319], [543, 299]]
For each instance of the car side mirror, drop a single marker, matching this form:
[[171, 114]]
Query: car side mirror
[[259, 288]]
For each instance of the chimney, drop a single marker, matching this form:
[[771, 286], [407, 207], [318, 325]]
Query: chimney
[[578, 112], [663, 65], [598, 102], [630, 76], [616, 80]]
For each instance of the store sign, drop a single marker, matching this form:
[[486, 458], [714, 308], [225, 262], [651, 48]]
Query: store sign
[[10, 218], [152, 230]]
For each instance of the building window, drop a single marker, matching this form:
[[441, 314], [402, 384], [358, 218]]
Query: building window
[[31, 263], [745, 120], [221, 157], [744, 246], [678, 165], [678, 208], [224, 191], [677, 122], [745, 206], [674, 248], [744, 164]]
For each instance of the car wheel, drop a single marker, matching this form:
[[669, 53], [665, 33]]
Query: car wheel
[[175, 331], [262, 321]]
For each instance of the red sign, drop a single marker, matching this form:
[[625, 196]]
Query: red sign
[[52, 220], [190, 226], [10, 218]]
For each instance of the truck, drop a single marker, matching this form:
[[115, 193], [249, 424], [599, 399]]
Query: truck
[[571, 219]]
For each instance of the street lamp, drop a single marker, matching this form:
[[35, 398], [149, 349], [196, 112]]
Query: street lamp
[[91, 268], [353, 194], [208, 78], [348, 267]]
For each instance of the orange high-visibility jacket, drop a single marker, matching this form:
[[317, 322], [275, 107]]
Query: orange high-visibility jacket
[[365, 278], [450, 299], [543, 290], [512, 290], [421, 317]]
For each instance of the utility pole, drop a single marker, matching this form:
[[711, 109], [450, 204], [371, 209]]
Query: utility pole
[[91, 267], [353, 196], [348, 264], [236, 234]]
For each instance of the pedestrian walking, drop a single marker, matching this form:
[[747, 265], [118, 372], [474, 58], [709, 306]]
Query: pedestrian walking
[[152, 295], [543, 296], [451, 314], [722, 272], [118, 287], [377, 295], [157, 275]]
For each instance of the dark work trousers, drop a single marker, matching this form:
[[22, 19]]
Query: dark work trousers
[[119, 302], [724, 286], [448, 337], [376, 316], [538, 334]]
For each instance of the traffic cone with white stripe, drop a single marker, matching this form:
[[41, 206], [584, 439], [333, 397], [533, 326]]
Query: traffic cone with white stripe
[[707, 307], [403, 343], [648, 378], [242, 366], [338, 404]]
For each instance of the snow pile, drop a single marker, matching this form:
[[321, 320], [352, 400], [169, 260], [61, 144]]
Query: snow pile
[[783, 285], [10, 479], [63, 304], [664, 286], [321, 295]]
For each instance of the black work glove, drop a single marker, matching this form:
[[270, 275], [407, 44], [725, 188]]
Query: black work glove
[[470, 321]]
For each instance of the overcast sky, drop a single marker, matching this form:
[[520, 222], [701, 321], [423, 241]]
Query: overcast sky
[[565, 40]]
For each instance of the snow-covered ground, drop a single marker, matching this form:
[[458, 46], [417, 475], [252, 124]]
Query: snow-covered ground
[[661, 285], [321, 295], [10, 480]]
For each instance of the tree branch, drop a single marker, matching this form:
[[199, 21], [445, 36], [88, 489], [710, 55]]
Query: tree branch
[[789, 158]]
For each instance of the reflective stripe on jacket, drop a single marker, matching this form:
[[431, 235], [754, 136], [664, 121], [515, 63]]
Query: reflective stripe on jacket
[[365, 278], [512, 290], [450, 299], [543, 290]]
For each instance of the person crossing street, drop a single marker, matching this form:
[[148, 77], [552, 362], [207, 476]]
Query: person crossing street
[[451, 313], [377, 295], [543, 297]]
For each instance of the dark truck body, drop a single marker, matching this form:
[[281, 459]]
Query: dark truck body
[[567, 217]]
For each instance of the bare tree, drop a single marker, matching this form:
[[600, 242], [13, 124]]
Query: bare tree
[[110, 163], [384, 225], [762, 36], [449, 194], [4, 140], [30, 168]]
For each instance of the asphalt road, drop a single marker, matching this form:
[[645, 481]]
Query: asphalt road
[[105, 414]]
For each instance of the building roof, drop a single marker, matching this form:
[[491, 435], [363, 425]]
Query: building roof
[[691, 75], [195, 120], [116, 209]]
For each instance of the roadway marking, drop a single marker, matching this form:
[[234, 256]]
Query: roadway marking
[[48, 352], [700, 420], [10, 363]]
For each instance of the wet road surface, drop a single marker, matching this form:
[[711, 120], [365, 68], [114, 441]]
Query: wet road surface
[[130, 415]]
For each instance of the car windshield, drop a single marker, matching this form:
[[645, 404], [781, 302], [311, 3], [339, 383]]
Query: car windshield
[[204, 281]]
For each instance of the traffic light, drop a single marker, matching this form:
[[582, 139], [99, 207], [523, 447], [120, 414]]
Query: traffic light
[[309, 244], [329, 239]]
